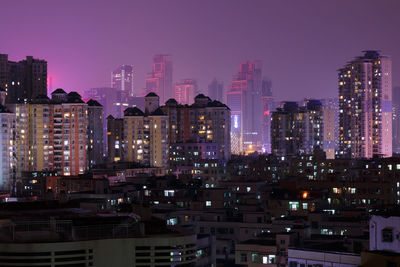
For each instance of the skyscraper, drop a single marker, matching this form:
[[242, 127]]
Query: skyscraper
[[23, 80], [122, 84], [268, 108], [159, 80], [365, 107], [122, 79], [396, 120], [245, 101], [216, 90], [185, 91]]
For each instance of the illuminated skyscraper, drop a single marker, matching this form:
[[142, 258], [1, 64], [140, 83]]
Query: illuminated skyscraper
[[245, 101], [122, 79], [122, 83], [159, 80], [365, 107], [185, 91], [216, 90]]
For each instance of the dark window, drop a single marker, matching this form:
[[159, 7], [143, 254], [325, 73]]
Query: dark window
[[243, 257], [387, 235]]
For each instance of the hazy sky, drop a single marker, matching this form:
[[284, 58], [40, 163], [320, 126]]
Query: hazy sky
[[301, 42]]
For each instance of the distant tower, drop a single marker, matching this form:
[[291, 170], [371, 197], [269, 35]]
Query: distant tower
[[245, 101], [159, 80], [268, 108], [396, 120], [365, 107], [122, 79], [216, 90], [122, 82], [185, 91]]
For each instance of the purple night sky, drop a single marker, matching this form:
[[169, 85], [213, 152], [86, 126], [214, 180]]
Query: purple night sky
[[301, 43]]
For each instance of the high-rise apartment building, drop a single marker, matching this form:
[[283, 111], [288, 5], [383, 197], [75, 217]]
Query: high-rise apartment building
[[245, 101], [122, 79], [140, 136], [115, 138], [95, 133], [268, 108], [205, 121], [70, 127], [297, 130], [365, 107], [24, 80], [216, 90], [396, 120], [52, 134], [110, 99], [145, 134], [185, 91], [7, 150], [159, 80]]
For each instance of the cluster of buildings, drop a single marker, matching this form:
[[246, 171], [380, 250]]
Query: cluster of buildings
[[364, 115], [170, 177], [61, 134]]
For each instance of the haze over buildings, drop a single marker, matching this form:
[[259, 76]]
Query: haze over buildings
[[131, 33]]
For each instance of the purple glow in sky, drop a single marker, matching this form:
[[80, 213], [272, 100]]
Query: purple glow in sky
[[301, 42]]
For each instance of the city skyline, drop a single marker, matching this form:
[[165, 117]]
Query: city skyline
[[214, 133], [275, 40]]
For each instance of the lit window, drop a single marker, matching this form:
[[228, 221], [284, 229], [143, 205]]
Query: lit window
[[265, 260], [208, 203], [293, 206], [254, 257], [271, 258]]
